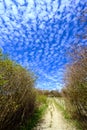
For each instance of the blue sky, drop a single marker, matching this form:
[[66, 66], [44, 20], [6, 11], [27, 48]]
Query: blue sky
[[39, 33]]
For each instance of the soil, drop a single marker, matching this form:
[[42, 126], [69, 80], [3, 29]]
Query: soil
[[54, 120]]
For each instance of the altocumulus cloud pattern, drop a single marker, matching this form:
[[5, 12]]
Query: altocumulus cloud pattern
[[38, 33]]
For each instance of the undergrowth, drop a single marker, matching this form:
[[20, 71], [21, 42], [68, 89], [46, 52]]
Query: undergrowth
[[39, 112], [67, 116]]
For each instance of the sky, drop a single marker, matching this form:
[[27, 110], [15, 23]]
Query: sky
[[38, 34]]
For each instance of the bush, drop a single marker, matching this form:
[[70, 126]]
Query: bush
[[17, 94], [41, 98], [75, 91]]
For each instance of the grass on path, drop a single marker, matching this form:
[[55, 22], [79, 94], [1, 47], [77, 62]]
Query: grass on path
[[67, 115], [33, 121]]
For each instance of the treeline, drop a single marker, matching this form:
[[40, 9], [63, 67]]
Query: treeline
[[75, 92], [50, 93], [17, 94]]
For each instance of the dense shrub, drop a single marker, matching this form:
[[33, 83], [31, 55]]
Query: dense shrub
[[17, 94], [41, 98], [75, 91]]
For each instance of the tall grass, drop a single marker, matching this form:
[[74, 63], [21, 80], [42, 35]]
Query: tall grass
[[41, 104]]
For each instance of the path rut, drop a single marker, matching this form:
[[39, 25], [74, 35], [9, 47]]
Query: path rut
[[54, 120]]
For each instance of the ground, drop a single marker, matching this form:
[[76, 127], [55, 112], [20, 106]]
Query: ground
[[54, 120]]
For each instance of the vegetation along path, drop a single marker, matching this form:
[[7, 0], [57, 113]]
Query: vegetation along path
[[54, 120]]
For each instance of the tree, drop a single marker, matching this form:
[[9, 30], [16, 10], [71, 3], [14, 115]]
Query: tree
[[75, 91]]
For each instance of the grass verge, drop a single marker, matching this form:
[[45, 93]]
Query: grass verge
[[67, 116], [61, 108], [33, 121]]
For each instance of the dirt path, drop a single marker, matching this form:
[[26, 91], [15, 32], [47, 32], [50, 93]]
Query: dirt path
[[53, 120]]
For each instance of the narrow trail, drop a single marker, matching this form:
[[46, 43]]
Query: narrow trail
[[54, 120]]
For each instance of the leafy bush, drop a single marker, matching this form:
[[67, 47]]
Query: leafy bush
[[17, 94], [41, 98]]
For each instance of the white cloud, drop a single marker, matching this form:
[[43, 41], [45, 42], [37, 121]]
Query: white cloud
[[34, 36]]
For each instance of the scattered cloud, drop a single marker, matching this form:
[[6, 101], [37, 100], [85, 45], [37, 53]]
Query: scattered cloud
[[37, 34]]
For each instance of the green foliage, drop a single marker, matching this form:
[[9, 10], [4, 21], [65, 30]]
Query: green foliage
[[32, 122], [41, 99], [17, 94], [41, 104], [55, 93], [21, 105]]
